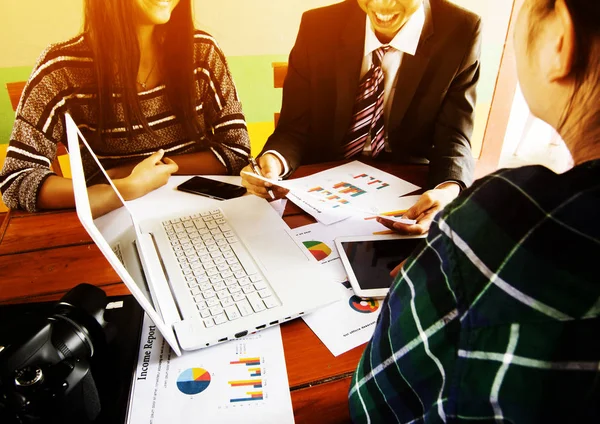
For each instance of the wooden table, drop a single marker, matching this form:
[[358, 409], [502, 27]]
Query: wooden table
[[43, 255]]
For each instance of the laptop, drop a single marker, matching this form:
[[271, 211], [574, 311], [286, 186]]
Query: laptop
[[213, 273]]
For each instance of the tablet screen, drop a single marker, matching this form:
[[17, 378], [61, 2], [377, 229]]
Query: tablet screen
[[373, 260]]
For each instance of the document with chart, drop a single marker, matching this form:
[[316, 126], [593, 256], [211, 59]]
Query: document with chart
[[319, 238], [240, 381], [346, 324], [353, 189], [355, 317]]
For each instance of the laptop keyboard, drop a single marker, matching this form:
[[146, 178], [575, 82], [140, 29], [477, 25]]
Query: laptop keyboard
[[117, 251], [221, 275]]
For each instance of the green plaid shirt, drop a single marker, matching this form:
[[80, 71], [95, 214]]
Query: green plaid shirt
[[496, 317]]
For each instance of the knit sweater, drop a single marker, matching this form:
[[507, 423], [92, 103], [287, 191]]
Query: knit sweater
[[64, 81]]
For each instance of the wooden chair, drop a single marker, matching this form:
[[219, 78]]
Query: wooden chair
[[15, 89], [279, 72]]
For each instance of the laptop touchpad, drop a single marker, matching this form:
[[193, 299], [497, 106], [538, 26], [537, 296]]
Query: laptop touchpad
[[275, 248]]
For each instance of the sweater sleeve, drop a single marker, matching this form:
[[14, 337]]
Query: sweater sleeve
[[222, 110], [36, 130]]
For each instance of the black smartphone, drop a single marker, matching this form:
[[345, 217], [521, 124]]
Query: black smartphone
[[211, 188]]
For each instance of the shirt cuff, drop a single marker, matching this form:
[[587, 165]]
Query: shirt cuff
[[450, 181], [286, 168]]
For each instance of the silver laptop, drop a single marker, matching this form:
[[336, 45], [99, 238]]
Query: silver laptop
[[206, 275]]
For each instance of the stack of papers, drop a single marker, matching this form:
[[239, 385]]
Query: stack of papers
[[345, 200]]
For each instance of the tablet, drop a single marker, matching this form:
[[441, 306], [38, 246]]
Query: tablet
[[368, 260]]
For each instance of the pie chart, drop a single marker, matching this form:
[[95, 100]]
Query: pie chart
[[193, 381], [318, 249], [364, 306]]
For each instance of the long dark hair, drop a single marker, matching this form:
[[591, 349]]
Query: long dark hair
[[586, 64], [110, 29]]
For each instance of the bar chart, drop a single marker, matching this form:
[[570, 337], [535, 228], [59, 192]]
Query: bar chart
[[249, 386], [372, 181], [349, 189]]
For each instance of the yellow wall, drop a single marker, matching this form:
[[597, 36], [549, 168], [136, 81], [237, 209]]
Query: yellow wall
[[27, 26]]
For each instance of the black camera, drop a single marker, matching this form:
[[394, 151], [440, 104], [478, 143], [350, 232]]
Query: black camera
[[45, 375]]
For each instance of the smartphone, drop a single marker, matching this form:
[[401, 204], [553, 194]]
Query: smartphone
[[368, 260], [211, 188]]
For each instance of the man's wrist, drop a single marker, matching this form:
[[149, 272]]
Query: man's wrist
[[285, 169], [451, 186]]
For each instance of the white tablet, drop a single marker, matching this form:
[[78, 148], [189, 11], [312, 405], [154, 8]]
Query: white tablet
[[368, 260]]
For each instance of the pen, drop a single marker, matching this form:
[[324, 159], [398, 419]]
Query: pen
[[256, 170]]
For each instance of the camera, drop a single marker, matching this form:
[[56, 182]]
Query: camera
[[45, 375]]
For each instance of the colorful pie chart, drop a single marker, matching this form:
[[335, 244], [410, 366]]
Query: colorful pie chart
[[364, 306], [318, 249], [193, 381]]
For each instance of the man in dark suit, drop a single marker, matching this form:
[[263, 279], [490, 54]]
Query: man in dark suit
[[430, 69]]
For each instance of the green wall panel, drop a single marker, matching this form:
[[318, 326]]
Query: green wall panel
[[7, 115], [253, 77]]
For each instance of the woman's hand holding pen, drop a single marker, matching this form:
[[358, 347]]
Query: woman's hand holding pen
[[268, 166]]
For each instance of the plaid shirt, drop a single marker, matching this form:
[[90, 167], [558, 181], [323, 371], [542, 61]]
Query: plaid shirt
[[495, 318]]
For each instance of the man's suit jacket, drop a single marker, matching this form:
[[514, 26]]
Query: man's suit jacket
[[431, 118]]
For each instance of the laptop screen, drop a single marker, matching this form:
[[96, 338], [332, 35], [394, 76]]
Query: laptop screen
[[116, 228], [115, 233]]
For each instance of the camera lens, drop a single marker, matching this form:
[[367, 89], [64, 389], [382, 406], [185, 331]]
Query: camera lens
[[29, 376], [78, 321]]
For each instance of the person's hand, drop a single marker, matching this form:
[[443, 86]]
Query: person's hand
[[148, 175], [428, 205], [271, 168]]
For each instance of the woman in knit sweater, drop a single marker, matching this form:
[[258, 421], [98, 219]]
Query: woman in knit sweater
[[151, 94]]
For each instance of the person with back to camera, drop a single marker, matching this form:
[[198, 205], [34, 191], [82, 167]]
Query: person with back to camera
[[495, 318], [151, 94], [392, 80]]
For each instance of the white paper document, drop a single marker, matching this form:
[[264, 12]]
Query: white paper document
[[353, 189], [346, 324], [243, 380]]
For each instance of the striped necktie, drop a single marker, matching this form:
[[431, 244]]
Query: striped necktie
[[368, 111]]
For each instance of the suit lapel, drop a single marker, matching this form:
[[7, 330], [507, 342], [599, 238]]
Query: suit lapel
[[348, 61], [410, 73]]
